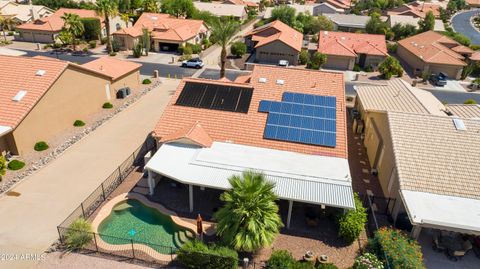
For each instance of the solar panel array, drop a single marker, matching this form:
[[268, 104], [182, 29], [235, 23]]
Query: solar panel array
[[302, 118]]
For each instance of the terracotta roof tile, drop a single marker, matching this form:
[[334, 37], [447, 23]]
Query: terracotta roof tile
[[419, 9], [248, 128], [194, 133], [351, 44], [430, 48], [283, 33], [54, 22], [19, 74], [112, 67]]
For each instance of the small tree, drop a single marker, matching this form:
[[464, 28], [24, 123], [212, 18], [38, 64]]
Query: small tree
[[3, 167], [353, 222], [428, 23], [304, 57], [317, 61], [137, 50], [146, 40], [79, 234], [73, 26], [285, 14], [222, 32], [390, 67], [238, 49], [108, 9]]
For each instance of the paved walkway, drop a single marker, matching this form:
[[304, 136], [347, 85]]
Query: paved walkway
[[461, 24], [28, 222]]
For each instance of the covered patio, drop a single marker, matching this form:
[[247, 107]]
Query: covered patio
[[320, 181]]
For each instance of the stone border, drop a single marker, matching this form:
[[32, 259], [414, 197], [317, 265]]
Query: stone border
[[37, 165], [107, 209]]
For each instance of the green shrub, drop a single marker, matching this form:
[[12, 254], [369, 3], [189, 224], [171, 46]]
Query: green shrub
[[187, 50], [326, 266], [392, 47], [113, 54], [40, 146], [15, 165], [238, 49], [92, 28], [180, 49], [304, 57], [107, 105], [280, 259], [137, 50], [79, 234], [367, 261], [10, 33], [304, 265], [3, 167], [400, 250], [92, 44], [195, 254], [353, 222], [368, 69], [475, 47], [206, 43], [317, 61], [85, 49], [357, 68], [390, 67], [78, 123], [115, 45], [146, 81], [470, 102], [196, 48], [103, 40]]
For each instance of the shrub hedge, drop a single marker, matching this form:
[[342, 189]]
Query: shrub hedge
[[367, 261], [399, 249], [92, 28], [351, 224], [79, 234], [282, 259], [195, 254], [15, 165], [40, 146]]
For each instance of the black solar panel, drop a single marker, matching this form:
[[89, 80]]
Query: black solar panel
[[217, 97]]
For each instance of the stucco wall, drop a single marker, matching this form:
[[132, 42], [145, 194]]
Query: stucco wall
[[7, 144], [339, 62], [275, 51], [373, 60], [35, 36], [131, 80], [75, 95]]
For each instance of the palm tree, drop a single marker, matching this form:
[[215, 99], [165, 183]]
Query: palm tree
[[107, 8], [222, 33], [73, 26], [125, 18], [249, 220], [5, 24]]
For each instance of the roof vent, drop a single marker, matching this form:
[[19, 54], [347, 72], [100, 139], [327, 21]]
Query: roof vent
[[40, 72], [262, 80], [154, 18], [280, 81], [459, 124], [18, 97]]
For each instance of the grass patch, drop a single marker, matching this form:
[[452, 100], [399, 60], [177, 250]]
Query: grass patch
[[78, 123], [107, 105], [40, 146], [15, 165]]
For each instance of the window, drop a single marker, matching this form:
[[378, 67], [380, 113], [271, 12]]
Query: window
[[118, 26]]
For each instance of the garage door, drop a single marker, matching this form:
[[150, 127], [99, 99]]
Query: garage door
[[449, 71], [168, 47], [339, 63]]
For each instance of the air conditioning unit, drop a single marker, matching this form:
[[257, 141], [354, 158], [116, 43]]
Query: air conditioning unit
[[122, 93]]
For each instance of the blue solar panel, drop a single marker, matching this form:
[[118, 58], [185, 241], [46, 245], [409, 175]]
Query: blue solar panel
[[303, 118]]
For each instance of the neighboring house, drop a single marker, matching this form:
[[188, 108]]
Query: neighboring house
[[312, 9], [433, 53], [46, 30], [424, 158], [343, 4], [250, 5], [275, 41], [416, 9], [473, 3], [238, 12], [348, 22], [411, 20], [23, 13], [344, 50], [167, 32], [41, 97], [201, 146]]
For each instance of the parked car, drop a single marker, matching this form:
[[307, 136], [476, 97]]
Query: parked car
[[195, 63], [283, 63], [439, 80]]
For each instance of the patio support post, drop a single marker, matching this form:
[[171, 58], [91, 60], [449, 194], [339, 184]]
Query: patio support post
[[190, 197], [415, 231], [289, 216], [150, 183]]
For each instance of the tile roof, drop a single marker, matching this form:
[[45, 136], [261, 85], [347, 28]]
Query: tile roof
[[465, 111], [432, 47], [19, 74], [343, 4], [432, 156], [241, 3], [419, 9], [222, 9], [195, 133], [164, 27], [23, 13], [248, 128], [114, 68], [284, 33], [397, 95], [411, 20], [54, 22], [351, 44], [475, 56]]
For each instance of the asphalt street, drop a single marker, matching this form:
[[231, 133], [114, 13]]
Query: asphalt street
[[461, 24]]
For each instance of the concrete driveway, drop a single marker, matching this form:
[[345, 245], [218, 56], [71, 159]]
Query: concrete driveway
[[28, 222], [461, 24]]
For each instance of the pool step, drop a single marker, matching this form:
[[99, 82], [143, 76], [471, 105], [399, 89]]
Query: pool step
[[181, 237]]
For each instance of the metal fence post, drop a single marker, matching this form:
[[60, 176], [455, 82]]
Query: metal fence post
[[103, 192], [83, 211], [95, 240], [133, 249]]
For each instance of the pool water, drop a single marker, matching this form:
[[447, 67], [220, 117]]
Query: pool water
[[132, 220]]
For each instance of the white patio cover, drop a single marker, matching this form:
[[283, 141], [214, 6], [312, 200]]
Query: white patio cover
[[443, 212], [297, 177]]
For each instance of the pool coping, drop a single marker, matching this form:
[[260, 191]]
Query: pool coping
[[106, 210]]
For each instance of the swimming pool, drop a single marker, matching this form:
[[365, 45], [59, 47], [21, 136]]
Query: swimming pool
[[133, 220]]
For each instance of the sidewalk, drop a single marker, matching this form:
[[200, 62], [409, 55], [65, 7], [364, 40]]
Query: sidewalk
[[46, 198]]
